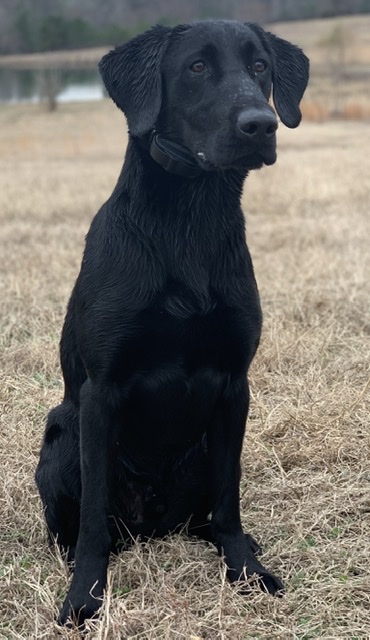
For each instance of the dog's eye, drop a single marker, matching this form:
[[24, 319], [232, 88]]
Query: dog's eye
[[259, 66], [198, 67]]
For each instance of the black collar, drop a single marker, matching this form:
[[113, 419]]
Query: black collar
[[173, 157]]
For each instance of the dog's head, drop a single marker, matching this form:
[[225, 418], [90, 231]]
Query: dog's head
[[206, 86]]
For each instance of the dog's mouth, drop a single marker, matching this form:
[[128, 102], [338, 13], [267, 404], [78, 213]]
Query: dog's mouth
[[248, 161], [181, 161]]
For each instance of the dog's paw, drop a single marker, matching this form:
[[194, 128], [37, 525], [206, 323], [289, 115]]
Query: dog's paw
[[76, 609], [253, 544], [255, 575], [269, 583]]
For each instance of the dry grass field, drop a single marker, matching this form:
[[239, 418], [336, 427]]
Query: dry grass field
[[339, 51], [306, 461]]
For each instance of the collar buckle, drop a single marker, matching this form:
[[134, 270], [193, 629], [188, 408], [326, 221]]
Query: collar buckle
[[173, 157]]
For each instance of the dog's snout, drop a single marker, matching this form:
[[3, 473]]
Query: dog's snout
[[256, 125]]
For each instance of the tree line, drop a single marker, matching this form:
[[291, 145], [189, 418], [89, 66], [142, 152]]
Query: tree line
[[28, 26], [57, 32]]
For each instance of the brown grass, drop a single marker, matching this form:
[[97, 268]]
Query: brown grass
[[340, 79], [306, 461]]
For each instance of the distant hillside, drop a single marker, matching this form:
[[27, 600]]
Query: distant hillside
[[42, 25]]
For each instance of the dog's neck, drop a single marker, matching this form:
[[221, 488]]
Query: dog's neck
[[172, 157], [189, 222], [206, 206], [168, 169]]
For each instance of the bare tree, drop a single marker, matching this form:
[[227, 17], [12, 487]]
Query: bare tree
[[337, 42], [49, 87]]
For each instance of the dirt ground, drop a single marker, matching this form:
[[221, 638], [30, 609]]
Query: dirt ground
[[306, 460]]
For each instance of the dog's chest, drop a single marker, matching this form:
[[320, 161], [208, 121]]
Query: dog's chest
[[182, 329], [184, 348], [181, 365]]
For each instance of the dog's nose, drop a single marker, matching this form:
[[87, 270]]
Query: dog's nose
[[256, 125]]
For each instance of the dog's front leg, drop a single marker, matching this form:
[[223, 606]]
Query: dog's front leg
[[225, 441], [93, 545]]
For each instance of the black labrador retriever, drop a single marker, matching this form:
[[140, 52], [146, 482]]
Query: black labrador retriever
[[164, 318]]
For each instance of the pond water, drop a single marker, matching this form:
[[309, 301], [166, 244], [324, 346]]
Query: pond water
[[26, 85]]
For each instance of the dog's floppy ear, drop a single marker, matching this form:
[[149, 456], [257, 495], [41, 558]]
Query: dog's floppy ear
[[132, 76], [289, 75]]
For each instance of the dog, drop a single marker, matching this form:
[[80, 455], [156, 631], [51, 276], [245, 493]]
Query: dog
[[165, 318]]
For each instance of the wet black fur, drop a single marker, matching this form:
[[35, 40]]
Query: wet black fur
[[164, 318]]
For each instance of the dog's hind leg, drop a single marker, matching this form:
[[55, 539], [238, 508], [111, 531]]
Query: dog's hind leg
[[58, 477]]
